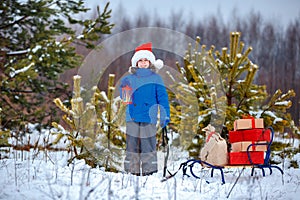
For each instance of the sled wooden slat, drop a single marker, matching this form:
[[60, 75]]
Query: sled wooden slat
[[238, 166]]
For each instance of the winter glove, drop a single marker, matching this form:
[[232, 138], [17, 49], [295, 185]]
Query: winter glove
[[164, 122]]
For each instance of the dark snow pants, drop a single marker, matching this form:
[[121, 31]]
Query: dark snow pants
[[141, 155]]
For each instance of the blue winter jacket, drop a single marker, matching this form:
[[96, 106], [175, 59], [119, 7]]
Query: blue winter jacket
[[148, 94]]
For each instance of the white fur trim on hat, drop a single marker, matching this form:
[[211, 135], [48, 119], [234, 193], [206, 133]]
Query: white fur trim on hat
[[142, 54]]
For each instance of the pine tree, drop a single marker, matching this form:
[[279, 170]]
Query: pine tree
[[223, 83], [36, 46], [94, 129]]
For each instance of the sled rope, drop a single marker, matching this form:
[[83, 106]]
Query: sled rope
[[235, 182]]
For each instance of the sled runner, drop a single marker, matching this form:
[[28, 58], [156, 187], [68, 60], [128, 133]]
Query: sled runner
[[250, 162]]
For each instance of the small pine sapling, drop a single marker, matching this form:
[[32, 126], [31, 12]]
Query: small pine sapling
[[223, 83], [91, 129]]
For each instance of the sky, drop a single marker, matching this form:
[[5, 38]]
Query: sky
[[281, 11]]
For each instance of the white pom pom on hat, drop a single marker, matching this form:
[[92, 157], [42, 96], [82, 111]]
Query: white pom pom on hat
[[145, 51], [158, 63]]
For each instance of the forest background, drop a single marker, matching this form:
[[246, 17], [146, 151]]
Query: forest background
[[275, 50], [276, 45]]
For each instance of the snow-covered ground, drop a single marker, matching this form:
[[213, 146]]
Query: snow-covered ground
[[46, 175]]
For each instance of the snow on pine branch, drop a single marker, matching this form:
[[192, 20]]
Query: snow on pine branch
[[104, 96], [276, 119], [283, 103], [24, 69], [14, 53]]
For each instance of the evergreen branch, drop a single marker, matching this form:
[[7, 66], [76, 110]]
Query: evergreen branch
[[272, 101], [29, 91], [13, 23], [16, 91], [249, 80], [10, 105], [278, 97]]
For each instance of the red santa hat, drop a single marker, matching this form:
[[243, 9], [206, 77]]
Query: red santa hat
[[145, 51]]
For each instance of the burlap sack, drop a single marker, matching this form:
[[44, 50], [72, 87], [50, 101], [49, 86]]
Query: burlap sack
[[214, 150]]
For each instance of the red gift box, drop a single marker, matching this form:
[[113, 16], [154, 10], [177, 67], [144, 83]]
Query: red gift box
[[250, 135], [241, 158]]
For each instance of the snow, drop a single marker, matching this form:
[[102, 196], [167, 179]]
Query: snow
[[103, 94], [24, 69], [37, 174], [36, 48], [171, 76], [49, 177], [17, 52], [276, 119], [283, 103], [80, 37]]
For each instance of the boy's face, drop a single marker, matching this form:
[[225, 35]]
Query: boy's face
[[143, 63]]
